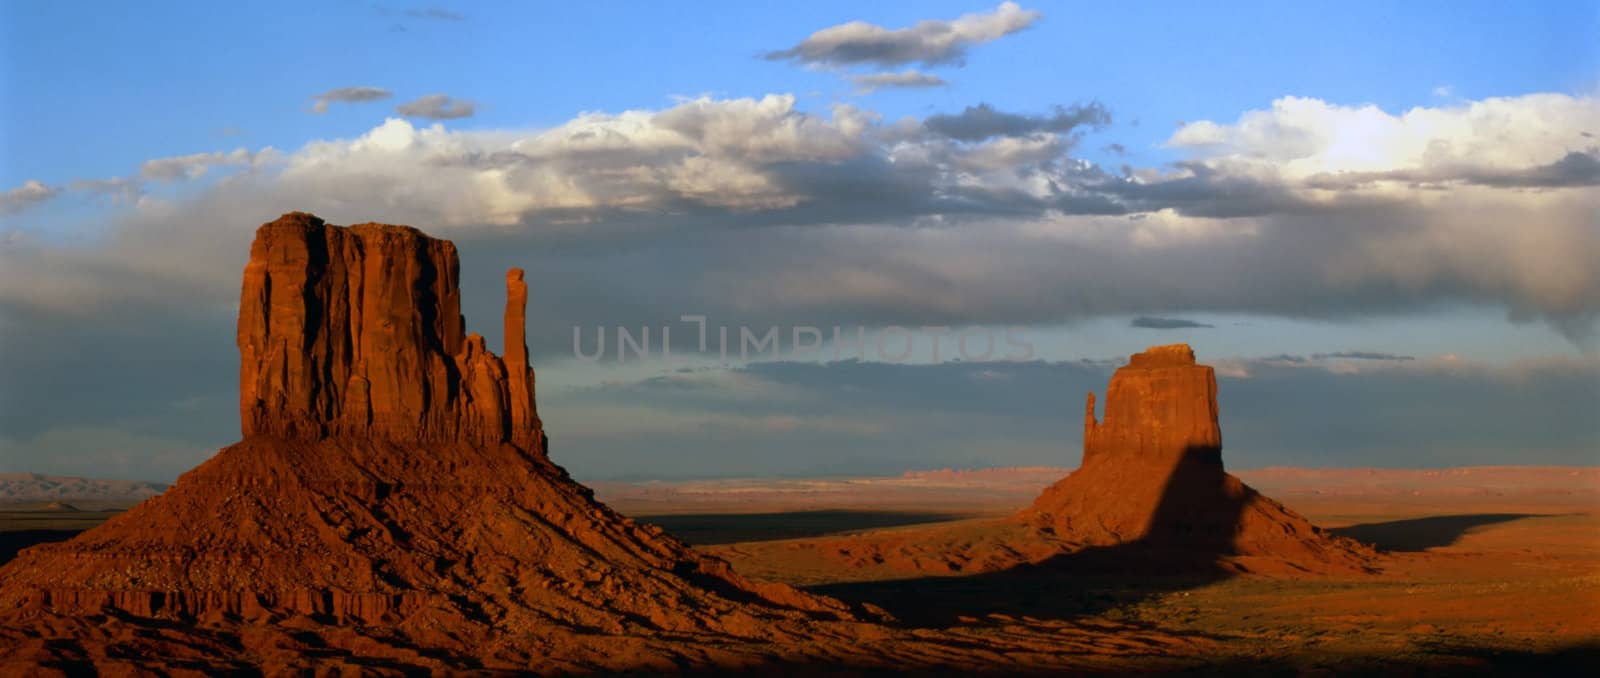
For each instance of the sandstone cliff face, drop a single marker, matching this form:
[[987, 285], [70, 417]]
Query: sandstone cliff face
[[358, 332], [1159, 408]]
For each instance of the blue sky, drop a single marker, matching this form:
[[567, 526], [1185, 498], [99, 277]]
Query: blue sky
[[97, 91], [1283, 185]]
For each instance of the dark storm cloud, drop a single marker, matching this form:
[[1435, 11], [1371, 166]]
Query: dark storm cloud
[[1154, 323], [980, 122], [1575, 169]]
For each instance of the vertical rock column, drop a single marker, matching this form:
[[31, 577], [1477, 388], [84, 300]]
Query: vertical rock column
[[524, 421]]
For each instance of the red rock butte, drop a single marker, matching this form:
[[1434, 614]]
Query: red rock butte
[[358, 331], [1150, 498], [1152, 475], [392, 498]]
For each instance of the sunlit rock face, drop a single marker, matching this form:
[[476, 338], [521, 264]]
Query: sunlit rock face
[[358, 331], [1161, 407]]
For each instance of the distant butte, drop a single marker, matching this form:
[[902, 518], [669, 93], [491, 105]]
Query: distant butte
[[1152, 475], [1151, 496]]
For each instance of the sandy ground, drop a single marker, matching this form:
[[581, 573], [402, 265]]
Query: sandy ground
[[1478, 573], [1480, 569]]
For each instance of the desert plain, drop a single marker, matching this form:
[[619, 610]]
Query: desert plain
[[1480, 570]]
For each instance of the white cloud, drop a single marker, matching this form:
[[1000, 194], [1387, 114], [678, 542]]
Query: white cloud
[[1007, 226], [30, 193], [928, 42], [1300, 138]]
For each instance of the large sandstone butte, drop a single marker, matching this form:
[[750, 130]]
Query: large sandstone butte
[[1152, 475], [1150, 497], [391, 503]]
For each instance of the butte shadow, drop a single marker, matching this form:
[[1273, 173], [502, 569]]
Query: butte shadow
[[1421, 534], [1150, 510]]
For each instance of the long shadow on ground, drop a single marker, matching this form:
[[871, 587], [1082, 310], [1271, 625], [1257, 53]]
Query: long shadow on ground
[[706, 529], [1081, 584], [1191, 532], [1421, 534], [13, 541]]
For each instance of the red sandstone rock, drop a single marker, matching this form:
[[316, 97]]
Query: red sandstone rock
[[358, 331], [1150, 497], [1152, 474], [393, 490]]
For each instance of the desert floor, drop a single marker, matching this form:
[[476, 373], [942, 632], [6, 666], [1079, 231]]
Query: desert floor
[[1497, 579]]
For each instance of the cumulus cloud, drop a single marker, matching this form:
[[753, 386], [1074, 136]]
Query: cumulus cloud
[[980, 122], [758, 208], [868, 83], [30, 193], [347, 95], [1154, 323], [1299, 138], [930, 42], [437, 107]]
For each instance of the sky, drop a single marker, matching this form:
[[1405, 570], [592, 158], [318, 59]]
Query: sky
[[1377, 220]]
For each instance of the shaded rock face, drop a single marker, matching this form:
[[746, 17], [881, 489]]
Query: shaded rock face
[[1152, 475], [358, 331]]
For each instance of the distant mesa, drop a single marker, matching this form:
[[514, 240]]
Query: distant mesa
[[28, 488], [392, 498], [60, 506]]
